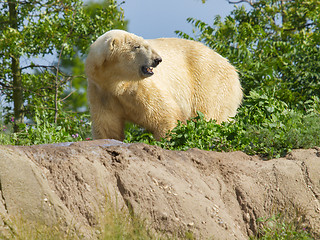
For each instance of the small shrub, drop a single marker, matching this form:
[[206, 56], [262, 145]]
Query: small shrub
[[134, 133], [42, 130], [264, 125], [278, 227], [20, 229]]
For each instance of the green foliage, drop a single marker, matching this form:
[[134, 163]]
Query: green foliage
[[35, 90], [75, 91], [274, 45], [197, 132], [71, 127], [273, 128], [119, 224], [278, 227], [74, 66], [264, 125], [135, 133]]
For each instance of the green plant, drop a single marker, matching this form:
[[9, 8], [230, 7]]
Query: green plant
[[196, 132], [69, 128], [36, 30], [36, 95], [274, 44], [274, 128], [113, 223], [18, 228], [134, 133], [278, 227], [119, 224], [264, 125]]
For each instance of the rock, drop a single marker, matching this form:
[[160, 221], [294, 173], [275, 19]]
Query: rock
[[214, 195]]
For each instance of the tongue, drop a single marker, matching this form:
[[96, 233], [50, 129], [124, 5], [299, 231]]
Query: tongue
[[149, 70]]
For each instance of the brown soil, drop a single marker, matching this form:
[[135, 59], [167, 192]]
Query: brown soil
[[214, 195]]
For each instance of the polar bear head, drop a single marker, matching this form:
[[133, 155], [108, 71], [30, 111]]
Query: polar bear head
[[121, 55]]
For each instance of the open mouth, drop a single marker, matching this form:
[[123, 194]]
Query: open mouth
[[147, 71]]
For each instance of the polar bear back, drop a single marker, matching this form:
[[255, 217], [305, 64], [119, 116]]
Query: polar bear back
[[199, 78]]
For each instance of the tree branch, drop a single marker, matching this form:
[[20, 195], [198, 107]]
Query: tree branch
[[54, 68], [58, 65], [250, 2], [38, 66], [5, 86]]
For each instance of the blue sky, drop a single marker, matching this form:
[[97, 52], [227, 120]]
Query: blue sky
[[160, 18]]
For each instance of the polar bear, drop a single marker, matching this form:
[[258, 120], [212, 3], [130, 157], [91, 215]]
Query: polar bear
[[154, 83]]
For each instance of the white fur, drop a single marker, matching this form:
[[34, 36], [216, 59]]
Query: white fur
[[190, 78]]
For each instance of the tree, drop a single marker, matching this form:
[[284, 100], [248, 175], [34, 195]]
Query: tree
[[275, 45], [75, 93], [15, 64], [36, 29]]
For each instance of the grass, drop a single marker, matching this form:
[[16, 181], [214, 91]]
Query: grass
[[289, 224], [118, 224], [18, 228], [112, 224], [276, 228]]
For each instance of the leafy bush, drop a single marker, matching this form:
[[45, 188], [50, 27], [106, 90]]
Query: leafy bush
[[36, 91], [273, 44], [135, 133], [69, 128], [264, 126]]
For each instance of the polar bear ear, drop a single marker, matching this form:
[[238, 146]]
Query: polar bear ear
[[104, 51], [112, 44]]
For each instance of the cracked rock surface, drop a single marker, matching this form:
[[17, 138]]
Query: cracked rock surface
[[214, 195]]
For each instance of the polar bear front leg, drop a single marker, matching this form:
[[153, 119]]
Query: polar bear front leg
[[108, 126], [161, 129]]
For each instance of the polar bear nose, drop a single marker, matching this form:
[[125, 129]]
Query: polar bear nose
[[157, 61]]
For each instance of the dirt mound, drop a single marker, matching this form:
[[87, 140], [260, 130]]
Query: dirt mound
[[211, 194]]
